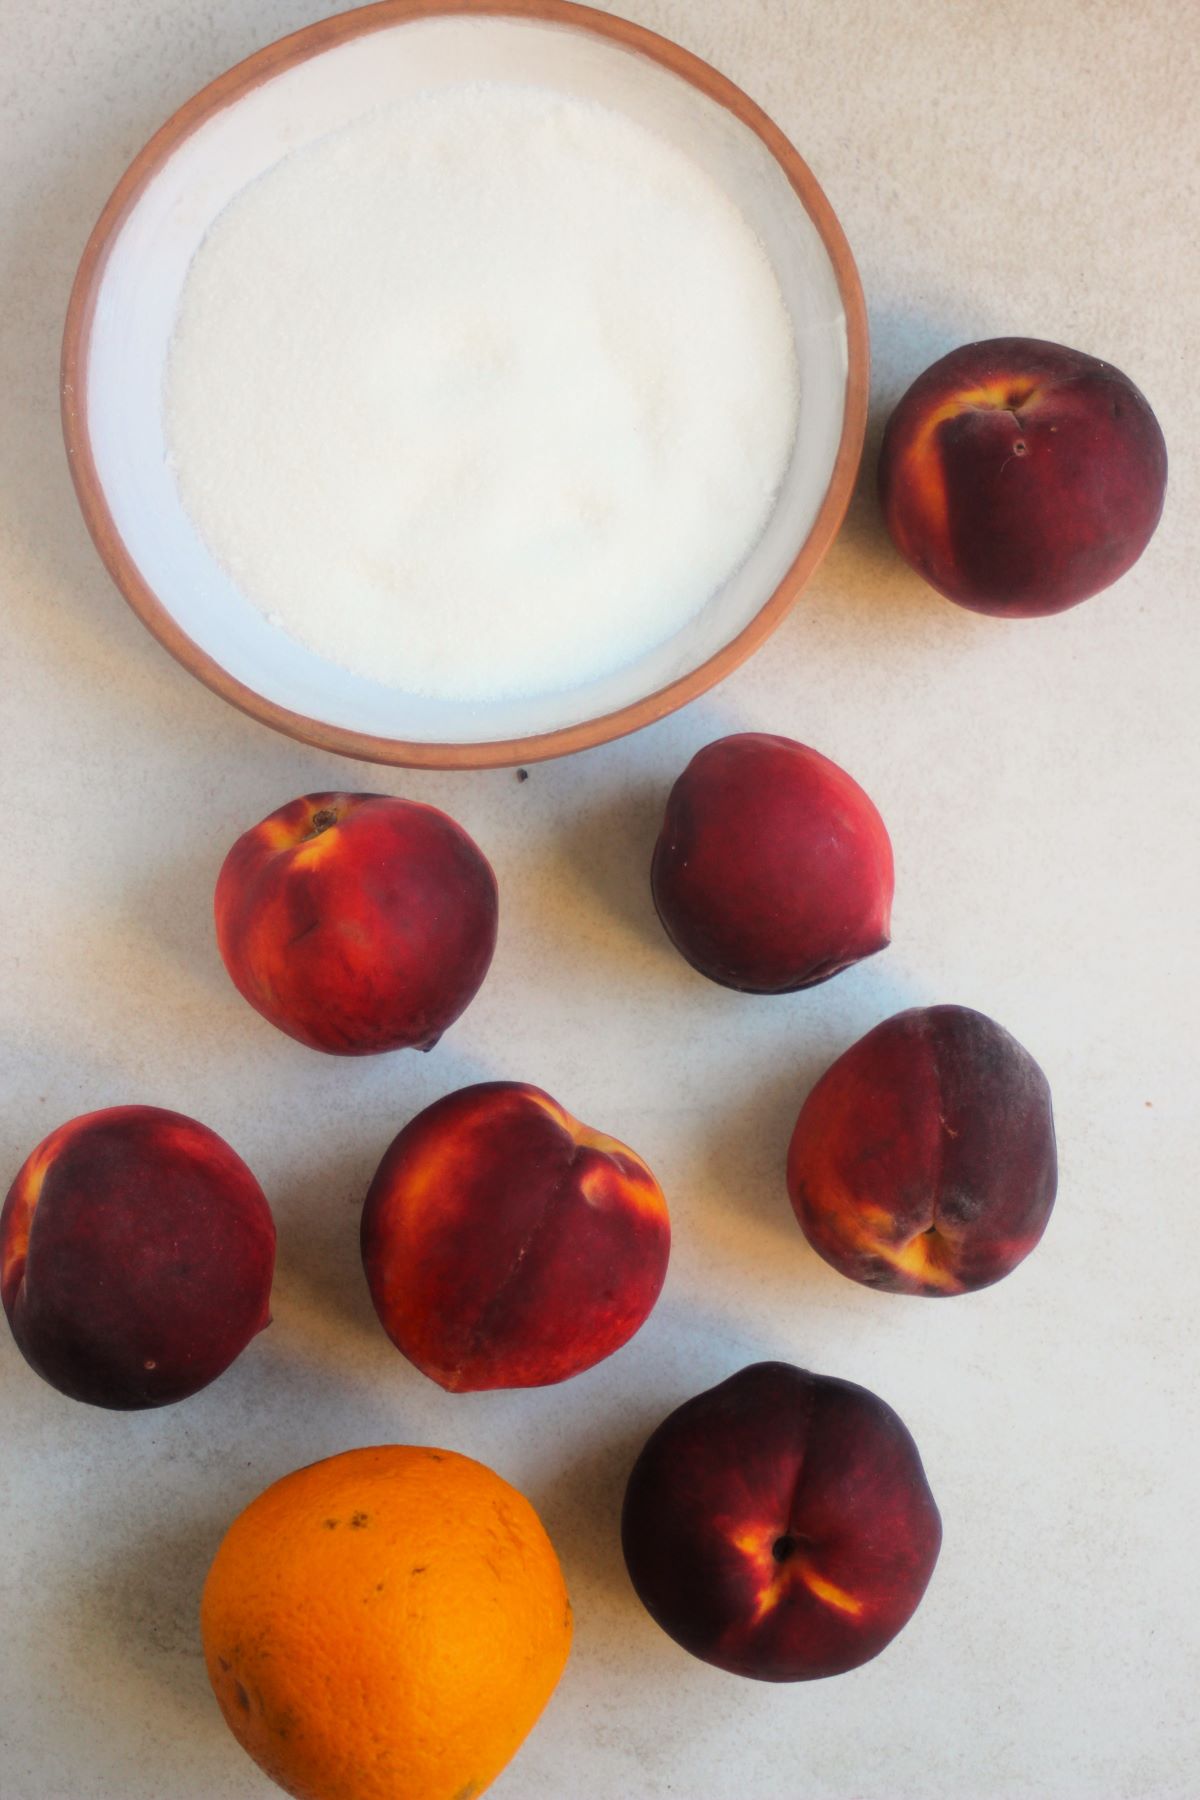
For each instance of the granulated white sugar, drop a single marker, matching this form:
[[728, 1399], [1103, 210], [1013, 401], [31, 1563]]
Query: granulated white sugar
[[483, 395]]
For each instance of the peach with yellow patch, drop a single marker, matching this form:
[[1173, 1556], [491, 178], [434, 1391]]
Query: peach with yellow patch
[[357, 923], [780, 1525], [923, 1162], [136, 1255], [507, 1245], [1020, 477]]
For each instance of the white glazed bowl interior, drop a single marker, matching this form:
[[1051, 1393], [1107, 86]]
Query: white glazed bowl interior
[[139, 294]]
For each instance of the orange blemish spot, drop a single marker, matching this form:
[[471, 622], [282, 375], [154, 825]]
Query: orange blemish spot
[[875, 1220], [316, 849], [828, 1592], [26, 1192], [624, 1182], [293, 830], [16, 1245], [625, 1174], [768, 1600], [850, 1218], [755, 1541], [923, 471], [923, 1258], [276, 835], [598, 1186]]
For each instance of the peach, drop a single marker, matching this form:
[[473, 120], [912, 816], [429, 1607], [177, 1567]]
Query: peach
[[357, 922], [1020, 477], [923, 1161], [507, 1245], [773, 870], [780, 1525], [136, 1254]]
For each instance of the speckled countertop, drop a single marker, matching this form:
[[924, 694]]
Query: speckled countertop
[[1016, 167]]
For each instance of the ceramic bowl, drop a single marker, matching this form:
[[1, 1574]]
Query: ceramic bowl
[[127, 292]]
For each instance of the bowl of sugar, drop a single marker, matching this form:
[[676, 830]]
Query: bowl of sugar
[[455, 385]]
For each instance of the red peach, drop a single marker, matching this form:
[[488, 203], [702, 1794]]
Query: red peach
[[780, 1525], [357, 922], [1020, 477], [507, 1245], [136, 1254], [773, 870], [923, 1162]]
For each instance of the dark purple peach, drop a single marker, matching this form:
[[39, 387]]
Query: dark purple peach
[[923, 1161], [136, 1255], [780, 1525], [773, 870], [1020, 477]]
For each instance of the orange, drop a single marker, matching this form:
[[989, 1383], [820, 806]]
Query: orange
[[385, 1625]]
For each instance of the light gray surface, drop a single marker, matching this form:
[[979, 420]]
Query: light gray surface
[[1016, 167]]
